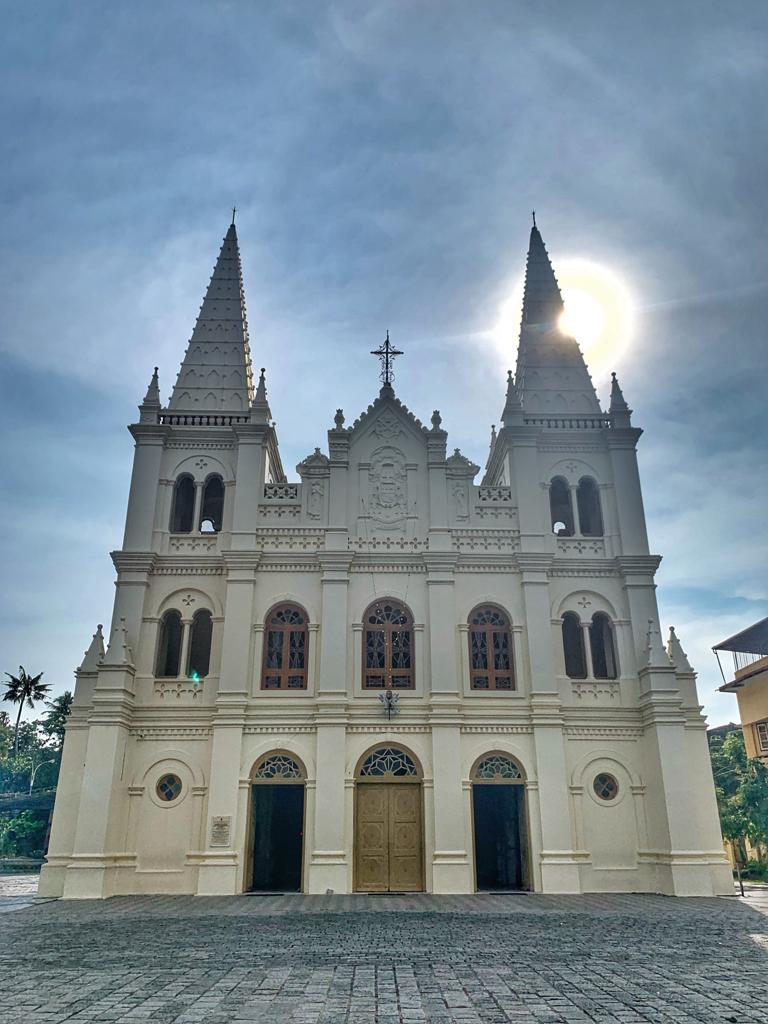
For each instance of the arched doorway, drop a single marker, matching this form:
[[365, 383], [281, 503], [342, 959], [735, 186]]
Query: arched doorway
[[277, 824], [389, 823], [500, 824]]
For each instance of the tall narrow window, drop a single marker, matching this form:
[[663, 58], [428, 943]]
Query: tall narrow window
[[602, 647], [561, 507], [490, 651], [200, 645], [388, 647], [183, 510], [212, 510], [573, 647], [285, 649], [169, 645], [588, 503]]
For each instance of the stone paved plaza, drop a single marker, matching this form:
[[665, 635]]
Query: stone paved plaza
[[383, 960]]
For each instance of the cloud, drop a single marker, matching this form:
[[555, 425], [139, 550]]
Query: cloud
[[384, 158]]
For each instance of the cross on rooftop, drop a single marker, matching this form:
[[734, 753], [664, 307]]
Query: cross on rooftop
[[386, 354]]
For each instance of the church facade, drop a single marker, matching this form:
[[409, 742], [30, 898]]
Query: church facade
[[389, 675]]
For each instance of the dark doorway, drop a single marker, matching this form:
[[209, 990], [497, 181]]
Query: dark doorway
[[278, 821], [500, 836]]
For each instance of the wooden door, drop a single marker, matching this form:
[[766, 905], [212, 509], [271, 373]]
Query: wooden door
[[389, 854]]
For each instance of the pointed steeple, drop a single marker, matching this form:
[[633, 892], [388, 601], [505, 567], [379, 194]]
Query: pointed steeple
[[655, 655], [620, 413], [118, 651], [542, 301], [260, 411], [95, 652], [551, 375], [150, 407], [677, 655], [216, 374], [513, 410]]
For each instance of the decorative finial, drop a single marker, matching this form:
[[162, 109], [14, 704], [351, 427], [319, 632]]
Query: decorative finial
[[437, 419], [338, 419], [387, 355], [234, 211], [533, 214], [618, 409], [493, 433]]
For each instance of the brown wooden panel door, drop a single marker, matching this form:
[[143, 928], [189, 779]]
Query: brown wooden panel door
[[372, 839], [406, 855], [389, 853]]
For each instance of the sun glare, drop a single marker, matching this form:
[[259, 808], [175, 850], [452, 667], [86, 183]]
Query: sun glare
[[598, 313]]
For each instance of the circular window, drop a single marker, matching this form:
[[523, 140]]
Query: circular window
[[168, 787], [605, 786]]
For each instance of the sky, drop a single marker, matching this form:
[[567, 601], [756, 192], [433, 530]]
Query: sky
[[384, 158]]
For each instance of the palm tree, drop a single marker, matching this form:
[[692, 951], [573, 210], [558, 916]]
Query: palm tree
[[23, 688], [54, 722]]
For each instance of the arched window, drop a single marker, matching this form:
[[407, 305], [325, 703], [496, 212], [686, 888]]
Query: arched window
[[490, 650], [285, 649], [169, 645], [602, 647], [212, 509], [183, 511], [388, 646], [200, 644], [560, 507], [573, 647], [588, 503], [388, 761]]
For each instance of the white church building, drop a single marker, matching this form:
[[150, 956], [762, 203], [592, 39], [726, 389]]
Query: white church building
[[387, 676]]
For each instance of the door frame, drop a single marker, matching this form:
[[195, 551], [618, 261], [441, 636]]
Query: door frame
[[251, 824], [416, 779], [525, 840]]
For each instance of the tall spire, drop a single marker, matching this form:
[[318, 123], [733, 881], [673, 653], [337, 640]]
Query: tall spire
[[216, 372], [551, 376], [542, 301]]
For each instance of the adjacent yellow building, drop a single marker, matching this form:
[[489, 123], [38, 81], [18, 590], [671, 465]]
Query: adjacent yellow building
[[750, 684]]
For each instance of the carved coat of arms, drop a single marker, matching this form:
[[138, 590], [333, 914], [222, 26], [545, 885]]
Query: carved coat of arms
[[388, 483]]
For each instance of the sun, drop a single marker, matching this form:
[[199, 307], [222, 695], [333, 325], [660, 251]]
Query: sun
[[598, 313]]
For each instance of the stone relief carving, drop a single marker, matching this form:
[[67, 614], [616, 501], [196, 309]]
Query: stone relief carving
[[386, 427], [461, 499], [315, 500], [388, 485]]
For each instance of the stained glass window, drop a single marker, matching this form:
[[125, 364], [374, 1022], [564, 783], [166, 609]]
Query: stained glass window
[[605, 786], [278, 766], [388, 647], [490, 650], [168, 787], [285, 649], [388, 761], [497, 766]]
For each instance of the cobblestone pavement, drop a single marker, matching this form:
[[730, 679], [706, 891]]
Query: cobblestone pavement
[[386, 960]]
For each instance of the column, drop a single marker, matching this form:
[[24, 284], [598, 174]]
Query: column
[[450, 860], [559, 868], [139, 520], [628, 495], [223, 854], [329, 867]]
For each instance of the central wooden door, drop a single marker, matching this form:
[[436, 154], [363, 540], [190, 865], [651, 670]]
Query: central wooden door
[[389, 848]]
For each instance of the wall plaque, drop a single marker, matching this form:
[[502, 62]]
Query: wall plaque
[[221, 827]]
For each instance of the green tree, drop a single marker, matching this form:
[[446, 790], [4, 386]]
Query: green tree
[[54, 722], [741, 786], [23, 689]]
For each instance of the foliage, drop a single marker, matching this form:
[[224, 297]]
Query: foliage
[[741, 786], [22, 835], [22, 689], [30, 757], [54, 722]]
